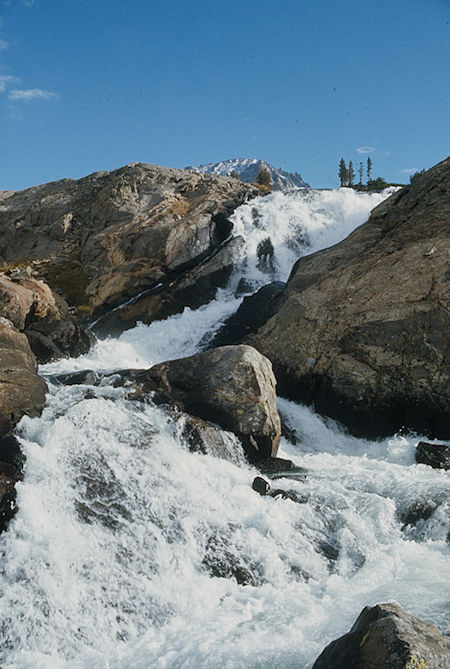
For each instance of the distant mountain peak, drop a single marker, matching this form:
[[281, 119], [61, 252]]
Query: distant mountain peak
[[248, 169]]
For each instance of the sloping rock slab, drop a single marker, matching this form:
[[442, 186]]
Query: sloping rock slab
[[22, 391], [363, 329], [106, 238], [385, 636], [232, 386]]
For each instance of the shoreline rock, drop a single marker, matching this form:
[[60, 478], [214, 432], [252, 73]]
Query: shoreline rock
[[22, 391], [362, 331]]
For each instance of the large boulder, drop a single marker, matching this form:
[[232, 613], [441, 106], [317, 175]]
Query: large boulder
[[104, 239], [386, 636], [43, 315], [363, 329], [232, 386], [22, 391]]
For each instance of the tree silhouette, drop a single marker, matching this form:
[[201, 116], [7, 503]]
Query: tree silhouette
[[343, 173], [351, 174]]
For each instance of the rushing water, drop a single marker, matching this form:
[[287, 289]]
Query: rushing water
[[130, 551]]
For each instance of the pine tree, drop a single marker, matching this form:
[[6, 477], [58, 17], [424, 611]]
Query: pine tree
[[360, 170], [264, 178], [343, 173], [369, 168], [351, 174]]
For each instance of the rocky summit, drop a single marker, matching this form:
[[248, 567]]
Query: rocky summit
[[363, 328], [109, 237]]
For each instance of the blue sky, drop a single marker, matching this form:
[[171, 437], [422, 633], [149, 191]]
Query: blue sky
[[89, 85]]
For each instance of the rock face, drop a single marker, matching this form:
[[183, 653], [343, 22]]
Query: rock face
[[232, 386], [363, 329], [386, 636], [43, 316], [102, 240], [22, 391]]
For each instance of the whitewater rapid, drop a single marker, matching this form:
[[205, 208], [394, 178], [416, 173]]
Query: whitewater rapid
[[130, 551]]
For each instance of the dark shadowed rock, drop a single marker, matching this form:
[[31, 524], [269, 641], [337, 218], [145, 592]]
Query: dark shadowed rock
[[435, 455], [22, 391], [363, 329], [85, 377], [232, 386], [105, 239], [386, 636], [254, 311]]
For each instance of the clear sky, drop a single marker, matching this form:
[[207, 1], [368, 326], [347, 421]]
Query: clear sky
[[89, 85]]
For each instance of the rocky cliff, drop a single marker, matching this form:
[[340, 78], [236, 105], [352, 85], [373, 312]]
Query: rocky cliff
[[111, 236], [363, 329]]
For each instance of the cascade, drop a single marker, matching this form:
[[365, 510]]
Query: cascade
[[130, 551]]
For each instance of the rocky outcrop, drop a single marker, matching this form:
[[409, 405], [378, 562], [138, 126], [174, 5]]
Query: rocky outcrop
[[232, 386], [22, 391], [434, 455], [386, 636], [102, 240], [363, 329], [43, 316]]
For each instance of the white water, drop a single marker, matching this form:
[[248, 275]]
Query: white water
[[126, 547]]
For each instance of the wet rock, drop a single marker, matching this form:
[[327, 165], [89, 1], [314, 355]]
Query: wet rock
[[22, 391], [265, 253], [262, 487], [202, 437], [386, 636], [85, 377], [244, 287], [232, 386], [226, 559], [434, 455], [362, 331], [104, 239], [11, 466], [254, 311]]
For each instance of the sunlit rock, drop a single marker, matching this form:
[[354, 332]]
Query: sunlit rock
[[232, 386], [22, 391], [386, 636]]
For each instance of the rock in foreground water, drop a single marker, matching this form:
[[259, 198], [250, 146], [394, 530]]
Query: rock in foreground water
[[387, 637], [233, 386]]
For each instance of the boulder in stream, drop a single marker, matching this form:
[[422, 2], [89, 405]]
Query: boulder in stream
[[232, 386], [386, 636]]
